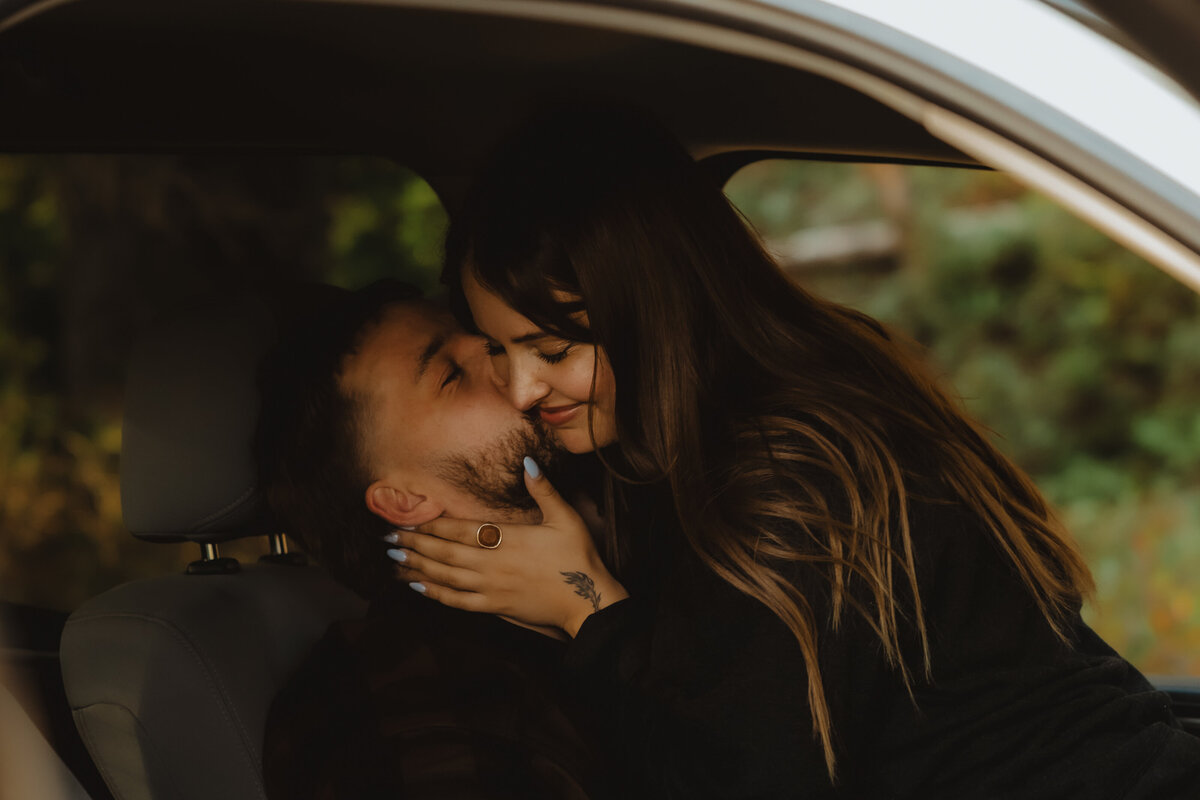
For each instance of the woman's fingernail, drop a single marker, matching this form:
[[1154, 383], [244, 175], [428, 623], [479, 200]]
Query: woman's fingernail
[[417, 587], [407, 527], [397, 555], [392, 537], [532, 468]]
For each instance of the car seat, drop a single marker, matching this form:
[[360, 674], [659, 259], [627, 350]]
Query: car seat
[[170, 678]]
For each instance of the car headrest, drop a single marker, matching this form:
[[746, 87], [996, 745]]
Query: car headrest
[[191, 405]]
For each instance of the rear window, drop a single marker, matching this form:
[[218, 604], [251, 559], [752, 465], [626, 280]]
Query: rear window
[[93, 249]]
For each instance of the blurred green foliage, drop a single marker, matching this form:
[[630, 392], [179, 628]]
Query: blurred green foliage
[[384, 222], [1083, 359], [58, 486]]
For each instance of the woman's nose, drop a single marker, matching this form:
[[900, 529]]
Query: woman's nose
[[523, 387]]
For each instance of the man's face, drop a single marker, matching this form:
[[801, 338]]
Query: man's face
[[436, 429]]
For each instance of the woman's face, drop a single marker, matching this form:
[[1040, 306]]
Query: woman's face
[[546, 375]]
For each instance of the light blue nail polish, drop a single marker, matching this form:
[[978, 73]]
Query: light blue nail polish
[[417, 587], [392, 537], [397, 555], [532, 468]]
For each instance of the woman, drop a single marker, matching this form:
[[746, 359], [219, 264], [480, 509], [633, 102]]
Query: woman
[[818, 575]]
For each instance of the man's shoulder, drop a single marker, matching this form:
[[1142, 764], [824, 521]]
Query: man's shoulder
[[324, 707], [411, 691], [347, 671], [324, 728]]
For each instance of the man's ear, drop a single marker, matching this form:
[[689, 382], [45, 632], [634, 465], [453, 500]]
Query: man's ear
[[399, 507]]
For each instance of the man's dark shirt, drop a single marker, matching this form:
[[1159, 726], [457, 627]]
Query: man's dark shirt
[[422, 701]]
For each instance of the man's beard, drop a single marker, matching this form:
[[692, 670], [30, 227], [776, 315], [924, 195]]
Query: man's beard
[[494, 474]]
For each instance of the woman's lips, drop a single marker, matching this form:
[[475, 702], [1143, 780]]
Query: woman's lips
[[559, 415]]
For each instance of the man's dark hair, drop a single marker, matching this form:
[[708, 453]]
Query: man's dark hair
[[308, 442]]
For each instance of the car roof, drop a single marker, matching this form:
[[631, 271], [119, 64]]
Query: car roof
[[433, 86], [435, 82]]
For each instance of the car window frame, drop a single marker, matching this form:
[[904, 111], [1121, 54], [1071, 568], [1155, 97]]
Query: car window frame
[[958, 102]]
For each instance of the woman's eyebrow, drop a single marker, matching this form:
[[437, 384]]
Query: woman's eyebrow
[[531, 337]]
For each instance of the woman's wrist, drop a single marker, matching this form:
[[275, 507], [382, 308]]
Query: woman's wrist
[[598, 594]]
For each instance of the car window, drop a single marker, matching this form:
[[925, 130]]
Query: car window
[[94, 249], [1083, 359]]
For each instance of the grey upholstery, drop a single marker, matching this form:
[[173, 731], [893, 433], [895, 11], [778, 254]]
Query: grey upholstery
[[190, 409], [170, 679]]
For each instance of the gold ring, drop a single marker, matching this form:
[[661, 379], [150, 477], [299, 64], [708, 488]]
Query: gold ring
[[489, 536]]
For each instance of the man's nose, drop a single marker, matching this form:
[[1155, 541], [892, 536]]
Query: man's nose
[[497, 369], [483, 367]]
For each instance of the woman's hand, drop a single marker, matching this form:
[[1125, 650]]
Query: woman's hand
[[540, 576]]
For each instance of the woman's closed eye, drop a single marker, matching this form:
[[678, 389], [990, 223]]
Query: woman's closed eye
[[557, 356], [495, 349]]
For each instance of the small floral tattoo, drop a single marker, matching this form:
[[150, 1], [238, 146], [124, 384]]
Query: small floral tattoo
[[585, 587]]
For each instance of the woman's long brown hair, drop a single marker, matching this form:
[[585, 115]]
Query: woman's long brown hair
[[790, 431]]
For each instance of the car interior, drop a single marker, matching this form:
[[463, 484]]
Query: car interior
[[159, 688]]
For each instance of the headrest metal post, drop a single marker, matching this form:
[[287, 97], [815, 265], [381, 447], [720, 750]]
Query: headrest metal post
[[211, 562], [279, 552]]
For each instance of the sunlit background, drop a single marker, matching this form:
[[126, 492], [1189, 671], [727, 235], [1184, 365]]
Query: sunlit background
[[1083, 359]]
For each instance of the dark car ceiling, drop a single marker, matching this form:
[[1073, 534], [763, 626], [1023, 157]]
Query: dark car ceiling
[[1167, 31], [431, 88]]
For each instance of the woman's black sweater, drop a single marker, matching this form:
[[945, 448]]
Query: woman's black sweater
[[703, 692]]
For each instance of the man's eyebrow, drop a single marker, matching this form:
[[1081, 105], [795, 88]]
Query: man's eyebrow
[[431, 350]]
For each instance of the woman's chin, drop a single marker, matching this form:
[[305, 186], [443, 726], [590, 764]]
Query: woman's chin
[[575, 441], [579, 440]]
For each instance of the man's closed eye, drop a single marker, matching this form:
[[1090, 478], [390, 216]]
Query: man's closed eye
[[454, 374]]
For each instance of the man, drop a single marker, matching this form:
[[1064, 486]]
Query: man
[[381, 412]]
